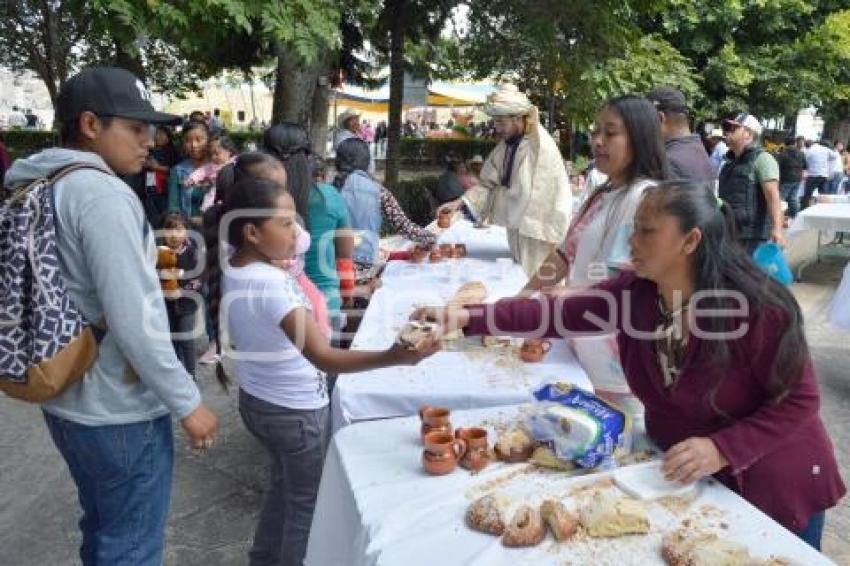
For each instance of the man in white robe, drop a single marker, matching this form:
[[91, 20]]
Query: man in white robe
[[523, 184]]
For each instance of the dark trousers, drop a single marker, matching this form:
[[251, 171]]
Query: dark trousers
[[812, 183], [296, 441], [182, 322]]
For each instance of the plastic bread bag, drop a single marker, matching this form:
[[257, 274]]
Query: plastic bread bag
[[578, 426]]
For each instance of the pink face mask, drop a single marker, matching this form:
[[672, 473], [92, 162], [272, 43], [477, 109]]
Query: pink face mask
[[302, 241]]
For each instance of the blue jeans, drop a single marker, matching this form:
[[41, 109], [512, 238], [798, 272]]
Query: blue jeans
[[813, 532], [123, 477], [788, 193]]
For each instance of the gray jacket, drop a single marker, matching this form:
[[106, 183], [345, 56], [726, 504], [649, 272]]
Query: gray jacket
[[108, 262]]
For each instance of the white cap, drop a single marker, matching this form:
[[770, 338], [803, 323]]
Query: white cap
[[747, 121]]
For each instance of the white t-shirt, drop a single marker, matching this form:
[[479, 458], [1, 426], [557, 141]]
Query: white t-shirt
[[817, 161], [604, 244], [255, 299]]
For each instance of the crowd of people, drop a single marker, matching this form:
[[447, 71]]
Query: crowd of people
[[290, 255]]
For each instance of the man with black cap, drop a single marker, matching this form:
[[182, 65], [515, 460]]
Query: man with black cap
[[113, 427], [749, 183], [685, 151]]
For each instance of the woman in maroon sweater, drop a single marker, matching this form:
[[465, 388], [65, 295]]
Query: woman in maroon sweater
[[729, 394]]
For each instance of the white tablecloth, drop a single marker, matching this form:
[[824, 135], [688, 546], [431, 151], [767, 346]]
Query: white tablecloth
[[460, 380], [376, 506], [823, 216]]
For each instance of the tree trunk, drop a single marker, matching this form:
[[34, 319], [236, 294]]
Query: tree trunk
[[319, 118], [293, 90], [396, 95]]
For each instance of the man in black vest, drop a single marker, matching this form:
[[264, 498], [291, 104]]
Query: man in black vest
[[749, 183]]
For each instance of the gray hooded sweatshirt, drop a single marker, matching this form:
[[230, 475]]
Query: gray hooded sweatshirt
[[107, 259]]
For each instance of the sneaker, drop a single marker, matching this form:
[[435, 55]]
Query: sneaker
[[210, 356]]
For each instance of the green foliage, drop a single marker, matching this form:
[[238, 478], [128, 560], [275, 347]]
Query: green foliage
[[23, 143], [434, 151], [414, 196], [582, 52]]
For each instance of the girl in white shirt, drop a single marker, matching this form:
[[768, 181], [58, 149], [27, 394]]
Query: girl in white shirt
[[281, 359]]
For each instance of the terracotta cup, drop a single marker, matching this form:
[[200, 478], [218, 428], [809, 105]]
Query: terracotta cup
[[446, 250], [444, 219], [534, 350], [441, 453], [435, 419], [419, 253], [477, 455], [436, 255], [459, 251]]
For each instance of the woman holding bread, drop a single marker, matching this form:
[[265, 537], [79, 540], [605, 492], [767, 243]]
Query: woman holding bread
[[713, 348]]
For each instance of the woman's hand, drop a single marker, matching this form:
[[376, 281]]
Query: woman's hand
[[449, 318], [693, 459]]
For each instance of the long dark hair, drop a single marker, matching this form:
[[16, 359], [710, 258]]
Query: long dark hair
[[352, 155], [721, 264], [232, 178], [290, 143], [649, 159]]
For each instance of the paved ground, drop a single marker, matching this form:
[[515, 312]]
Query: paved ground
[[217, 495]]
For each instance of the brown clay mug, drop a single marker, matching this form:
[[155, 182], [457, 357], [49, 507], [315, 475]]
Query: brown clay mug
[[436, 255], [446, 250], [435, 419], [419, 253], [442, 451], [477, 454], [459, 251], [444, 219], [534, 350]]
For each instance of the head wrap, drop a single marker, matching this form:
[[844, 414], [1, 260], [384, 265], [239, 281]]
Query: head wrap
[[507, 100]]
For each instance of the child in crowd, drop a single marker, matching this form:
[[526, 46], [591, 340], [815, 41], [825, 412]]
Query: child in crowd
[[162, 158], [223, 150], [283, 397], [182, 303], [196, 146]]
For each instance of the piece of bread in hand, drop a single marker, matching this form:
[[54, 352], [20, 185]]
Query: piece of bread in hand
[[415, 332], [681, 548], [470, 293], [526, 528], [610, 516], [487, 514], [561, 522]]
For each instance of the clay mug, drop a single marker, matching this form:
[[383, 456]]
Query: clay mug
[[442, 451], [435, 419], [436, 255], [534, 350], [444, 219], [446, 250], [477, 455], [419, 253], [459, 251]]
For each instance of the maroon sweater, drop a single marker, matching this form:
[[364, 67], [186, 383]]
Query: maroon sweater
[[780, 456]]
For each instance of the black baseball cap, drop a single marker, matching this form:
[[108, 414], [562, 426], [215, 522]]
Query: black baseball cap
[[108, 92], [668, 99]]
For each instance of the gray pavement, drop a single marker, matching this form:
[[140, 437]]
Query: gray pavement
[[216, 495]]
